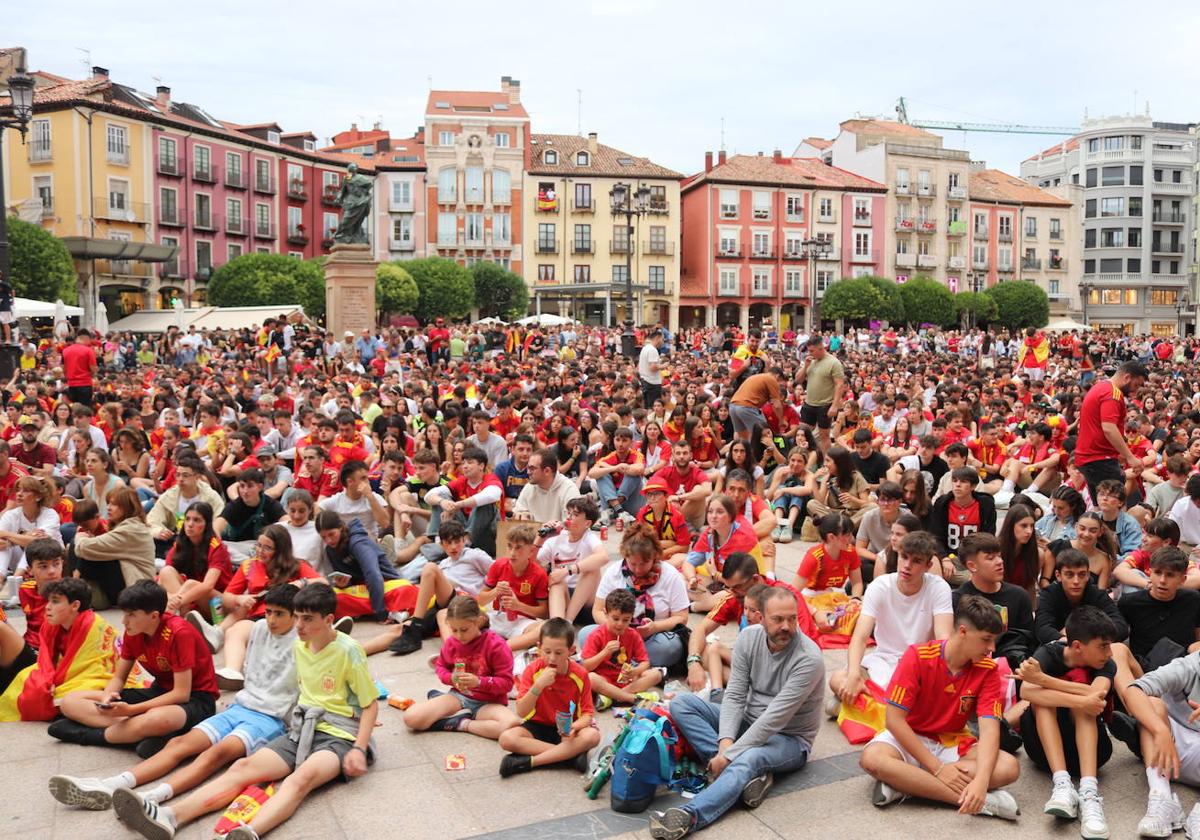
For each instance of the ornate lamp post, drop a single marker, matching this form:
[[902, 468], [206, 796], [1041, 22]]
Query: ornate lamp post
[[627, 204], [1183, 307], [1085, 289], [20, 89], [816, 248]]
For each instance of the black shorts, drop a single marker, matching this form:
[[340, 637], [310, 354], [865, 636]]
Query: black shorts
[[199, 706], [816, 416], [548, 734], [285, 748], [8, 673]]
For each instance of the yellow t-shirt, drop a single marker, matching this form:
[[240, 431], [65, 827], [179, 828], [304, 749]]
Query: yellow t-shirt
[[336, 679]]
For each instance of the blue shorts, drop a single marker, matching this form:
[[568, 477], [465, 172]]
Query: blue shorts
[[470, 705], [253, 729]]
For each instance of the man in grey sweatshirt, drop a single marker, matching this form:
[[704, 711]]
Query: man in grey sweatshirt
[[767, 720]]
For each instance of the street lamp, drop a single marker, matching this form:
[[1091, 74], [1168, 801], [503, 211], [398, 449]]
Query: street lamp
[[816, 248], [1183, 306], [627, 204], [1084, 290], [20, 91]]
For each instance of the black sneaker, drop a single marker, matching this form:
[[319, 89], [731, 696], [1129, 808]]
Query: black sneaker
[[756, 789], [670, 824], [1124, 727], [580, 762], [345, 624], [65, 729], [512, 764], [150, 747], [1010, 739], [409, 640]]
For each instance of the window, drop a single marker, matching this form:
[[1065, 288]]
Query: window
[[1133, 265], [794, 208], [447, 229], [295, 221], [262, 175], [1090, 180], [1053, 283], [1112, 238], [473, 185], [202, 162], [233, 250], [658, 198], [1089, 209], [824, 281], [1114, 144], [171, 266], [1135, 205], [1089, 238], [902, 246], [203, 255], [118, 195], [862, 243], [729, 204], [1112, 207], [1135, 237], [262, 219], [582, 159], [545, 240], [583, 197], [1031, 226], [1158, 176], [445, 138], [761, 244], [658, 239], [1112, 176], [979, 256], [760, 281], [167, 160], [401, 194], [583, 239], [502, 138], [762, 205], [793, 244], [118, 144], [1004, 225], [1004, 258], [501, 186], [826, 209], [1164, 297], [728, 282], [952, 180], [329, 223], [43, 188], [901, 180], [793, 282], [1135, 142], [1111, 266], [474, 228], [402, 230], [550, 157], [583, 274], [1177, 176], [233, 214], [168, 206], [502, 229], [447, 185], [862, 210], [1093, 145], [980, 225], [546, 273], [1056, 229], [1135, 176], [657, 279], [619, 273], [39, 143], [923, 181], [728, 243]]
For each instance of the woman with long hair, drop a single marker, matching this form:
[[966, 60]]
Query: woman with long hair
[[901, 441], [916, 495], [1024, 560], [1097, 543], [726, 531], [840, 487], [738, 458], [198, 565], [101, 478], [32, 517], [1066, 506], [656, 449], [122, 555]]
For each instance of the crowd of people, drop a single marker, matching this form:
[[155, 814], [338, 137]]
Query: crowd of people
[[979, 506]]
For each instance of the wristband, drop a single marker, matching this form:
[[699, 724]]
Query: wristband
[[694, 659], [360, 749]]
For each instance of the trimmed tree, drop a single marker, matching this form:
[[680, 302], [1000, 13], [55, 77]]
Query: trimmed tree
[[498, 292], [927, 301], [269, 280], [852, 298], [974, 304], [1020, 304], [395, 290], [42, 268], [893, 302], [446, 288]]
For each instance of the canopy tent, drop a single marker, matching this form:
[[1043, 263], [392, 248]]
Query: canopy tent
[[1067, 325], [209, 317], [26, 308], [546, 320], [490, 321]]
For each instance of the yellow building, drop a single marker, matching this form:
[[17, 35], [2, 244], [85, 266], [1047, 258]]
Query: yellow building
[[577, 254]]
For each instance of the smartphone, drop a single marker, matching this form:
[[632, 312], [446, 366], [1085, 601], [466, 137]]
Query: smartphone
[[104, 706], [339, 579]]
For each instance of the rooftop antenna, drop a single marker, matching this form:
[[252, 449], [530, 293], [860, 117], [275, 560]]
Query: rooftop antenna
[[1134, 101], [429, 79], [579, 111], [86, 58], [722, 134]]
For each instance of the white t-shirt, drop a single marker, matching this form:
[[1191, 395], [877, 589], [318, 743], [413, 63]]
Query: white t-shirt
[[1186, 515], [469, 571], [560, 551], [648, 357], [348, 509], [669, 593], [307, 545], [901, 620], [14, 520]]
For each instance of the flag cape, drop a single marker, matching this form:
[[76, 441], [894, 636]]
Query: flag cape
[[1041, 351], [87, 664], [354, 601]]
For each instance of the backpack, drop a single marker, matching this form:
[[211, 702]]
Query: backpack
[[646, 758]]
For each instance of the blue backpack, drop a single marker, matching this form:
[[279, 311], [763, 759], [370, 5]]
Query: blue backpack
[[645, 759]]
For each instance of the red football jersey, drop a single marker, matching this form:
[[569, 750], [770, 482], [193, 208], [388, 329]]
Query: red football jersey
[[825, 572], [176, 646], [571, 687], [939, 702], [531, 588]]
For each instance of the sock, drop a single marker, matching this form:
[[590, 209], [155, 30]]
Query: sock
[[1061, 777], [464, 722], [124, 780], [159, 793], [1008, 486], [1088, 783], [1158, 783], [167, 814]]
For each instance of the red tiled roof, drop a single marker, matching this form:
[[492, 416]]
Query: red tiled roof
[[817, 142], [1066, 146], [992, 185], [270, 125], [307, 135], [888, 127], [606, 162], [355, 137], [810, 173], [472, 102]]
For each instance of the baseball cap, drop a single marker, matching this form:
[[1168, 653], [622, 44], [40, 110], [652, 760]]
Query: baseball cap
[[348, 334], [266, 452], [656, 487], [25, 420]]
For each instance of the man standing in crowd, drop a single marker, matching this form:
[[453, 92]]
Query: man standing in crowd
[[1101, 445], [649, 369], [824, 381]]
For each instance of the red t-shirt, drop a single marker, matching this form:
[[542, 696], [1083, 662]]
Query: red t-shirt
[[504, 426], [79, 360], [176, 646], [252, 578], [8, 482], [939, 702], [825, 572], [217, 558], [961, 522], [672, 527], [325, 484], [1104, 403], [633, 456], [461, 489], [572, 687], [340, 452], [681, 481], [34, 607], [730, 608], [952, 437], [531, 588], [632, 650], [989, 456]]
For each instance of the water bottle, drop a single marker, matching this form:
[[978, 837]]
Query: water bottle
[[214, 606]]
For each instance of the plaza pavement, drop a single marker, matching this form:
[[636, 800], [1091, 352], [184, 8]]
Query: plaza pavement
[[408, 793]]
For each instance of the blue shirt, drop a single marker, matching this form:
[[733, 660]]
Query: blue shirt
[[512, 479]]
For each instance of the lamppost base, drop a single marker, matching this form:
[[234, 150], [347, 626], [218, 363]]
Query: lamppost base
[[628, 342]]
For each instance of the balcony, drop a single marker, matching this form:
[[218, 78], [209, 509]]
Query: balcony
[[794, 251], [903, 189], [236, 226], [926, 190], [758, 291], [830, 255], [327, 240], [981, 232], [905, 224], [1171, 187], [658, 207], [235, 179], [264, 230], [502, 199], [762, 253], [206, 221], [1161, 218], [297, 236], [1169, 248], [794, 218], [926, 226], [827, 218], [401, 244], [329, 194], [906, 260], [1005, 236], [204, 273], [959, 262], [124, 268], [1005, 268], [926, 261], [40, 151], [979, 265], [729, 291], [473, 195], [264, 184], [1031, 264], [665, 289], [118, 156], [862, 218], [173, 269], [958, 228], [204, 174], [729, 252], [794, 290], [171, 166], [297, 190], [658, 249], [1057, 264], [956, 193], [172, 216], [1056, 236], [580, 247], [583, 206], [547, 246], [620, 246], [761, 214], [47, 206], [869, 256], [133, 212], [402, 206], [543, 205]]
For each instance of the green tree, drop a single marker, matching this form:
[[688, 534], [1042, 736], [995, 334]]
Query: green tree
[[499, 292], [927, 301], [976, 305], [395, 289], [446, 288], [1020, 304], [853, 298], [42, 268], [893, 302], [268, 280]]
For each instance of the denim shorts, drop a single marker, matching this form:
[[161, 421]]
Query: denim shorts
[[253, 729], [469, 704]]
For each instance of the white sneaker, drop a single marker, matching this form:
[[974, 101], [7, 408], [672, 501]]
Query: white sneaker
[[1191, 828], [1164, 816], [1092, 825], [145, 817], [833, 706], [89, 794], [1063, 802], [884, 794], [1000, 804], [214, 637], [229, 679]]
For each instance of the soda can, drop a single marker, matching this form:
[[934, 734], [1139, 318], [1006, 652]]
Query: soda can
[[603, 532], [562, 722], [214, 606]]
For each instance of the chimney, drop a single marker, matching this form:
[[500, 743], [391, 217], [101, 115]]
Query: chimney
[[378, 126], [708, 161], [163, 97], [99, 72], [592, 142], [778, 156], [354, 128], [512, 88]]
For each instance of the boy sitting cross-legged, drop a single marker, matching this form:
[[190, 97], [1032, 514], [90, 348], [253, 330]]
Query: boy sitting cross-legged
[[555, 700], [927, 750], [1067, 685], [517, 589], [616, 655], [174, 653], [329, 736], [254, 718]]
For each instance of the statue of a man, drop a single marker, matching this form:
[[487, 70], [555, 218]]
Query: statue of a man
[[355, 200]]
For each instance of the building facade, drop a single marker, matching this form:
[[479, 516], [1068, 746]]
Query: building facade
[[1137, 183], [925, 214], [476, 154], [763, 237], [578, 254]]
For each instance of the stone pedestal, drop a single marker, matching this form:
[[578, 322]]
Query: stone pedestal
[[350, 289]]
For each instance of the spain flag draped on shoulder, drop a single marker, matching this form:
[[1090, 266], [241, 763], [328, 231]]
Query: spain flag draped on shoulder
[[88, 660], [1039, 346]]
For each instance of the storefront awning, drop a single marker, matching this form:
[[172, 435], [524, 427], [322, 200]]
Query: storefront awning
[[95, 248]]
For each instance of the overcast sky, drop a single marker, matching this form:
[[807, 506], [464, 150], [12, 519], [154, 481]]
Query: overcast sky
[[656, 77]]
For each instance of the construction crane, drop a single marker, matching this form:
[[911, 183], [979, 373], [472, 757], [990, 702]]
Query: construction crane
[[997, 128]]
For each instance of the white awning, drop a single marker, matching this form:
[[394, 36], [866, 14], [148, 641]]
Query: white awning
[[26, 308], [209, 317]]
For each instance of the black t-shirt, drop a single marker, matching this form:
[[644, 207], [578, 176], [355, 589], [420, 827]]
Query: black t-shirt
[[1151, 620], [1016, 611], [1051, 657], [873, 468], [245, 522]]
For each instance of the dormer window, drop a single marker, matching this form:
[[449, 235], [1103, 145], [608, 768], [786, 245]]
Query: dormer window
[[581, 159], [273, 137], [310, 146], [550, 157]]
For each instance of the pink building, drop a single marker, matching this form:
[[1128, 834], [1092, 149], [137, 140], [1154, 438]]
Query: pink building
[[763, 237]]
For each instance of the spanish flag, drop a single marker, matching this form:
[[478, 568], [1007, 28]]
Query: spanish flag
[[865, 718], [1040, 347], [272, 353], [87, 664]]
